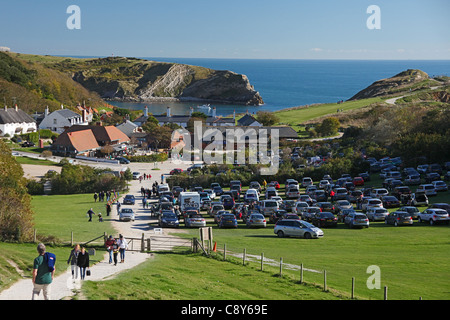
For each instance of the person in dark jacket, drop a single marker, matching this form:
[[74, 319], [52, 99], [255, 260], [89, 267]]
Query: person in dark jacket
[[83, 262], [73, 261]]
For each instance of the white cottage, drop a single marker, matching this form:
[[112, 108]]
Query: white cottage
[[15, 121], [61, 119]]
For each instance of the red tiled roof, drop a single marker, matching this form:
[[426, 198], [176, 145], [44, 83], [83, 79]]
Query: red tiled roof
[[83, 140]]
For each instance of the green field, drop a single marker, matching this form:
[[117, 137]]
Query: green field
[[295, 116]]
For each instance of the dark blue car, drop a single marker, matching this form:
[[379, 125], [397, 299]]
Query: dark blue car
[[228, 221], [129, 199]]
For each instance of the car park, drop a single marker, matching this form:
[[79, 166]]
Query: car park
[[297, 228], [434, 216], [376, 214], [356, 219], [324, 219], [256, 220], [126, 214], [399, 218]]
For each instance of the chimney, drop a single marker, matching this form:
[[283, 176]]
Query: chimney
[[62, 107], [168, 112], [234, 114], [84, 115], [146, 111], [46, 111], [16, 107], [214, 112]]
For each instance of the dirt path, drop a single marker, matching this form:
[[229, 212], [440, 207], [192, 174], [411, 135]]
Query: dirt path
[[63, 286]]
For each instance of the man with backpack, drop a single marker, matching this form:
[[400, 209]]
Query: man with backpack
[[43, 272]]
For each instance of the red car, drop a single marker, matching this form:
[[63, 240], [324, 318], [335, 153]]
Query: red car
[[176, 171], [358, 181]]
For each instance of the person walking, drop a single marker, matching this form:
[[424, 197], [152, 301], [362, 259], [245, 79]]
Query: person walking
[[42, 276], [83, 262], [73, 260], [95, 197], [90, 213], [109, 247], [115, 250], [123, 245]]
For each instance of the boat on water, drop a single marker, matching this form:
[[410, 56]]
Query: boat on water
[[205, 106]]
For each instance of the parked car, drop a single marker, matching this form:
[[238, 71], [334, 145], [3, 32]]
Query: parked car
[[376, 214], [122, 160], [176, 171], [342, 214], [354, 195], [271, 192], [341, 205], [215, 207], [434, 216], [390, 202], [267, 206], [256, 220], [136, 175], [325, 206], [358, 181], [320, 195], [419, 199], [306, 181], [400, 190], [297, 228], [379, 193], [356, 219], [444, 206], [227, 221], [340, 194], [413, 179], [194, 220], [371, 202], [126, 214], [129, 199], [412, 211], [428, 189], [440, 185], [168, 219], [324, 219], [292, 192], [399, 218], [309, 213]]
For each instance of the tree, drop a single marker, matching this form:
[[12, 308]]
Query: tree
[[328, 127], [267, 118]]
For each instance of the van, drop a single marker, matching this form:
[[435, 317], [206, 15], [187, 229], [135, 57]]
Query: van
[[271, 192], [189, 200], [162, 188], [292, 192], [266, 207], [306, 181], [251, 194]]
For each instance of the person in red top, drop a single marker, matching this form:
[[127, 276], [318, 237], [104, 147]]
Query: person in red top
[[332, 195], [109, 247]]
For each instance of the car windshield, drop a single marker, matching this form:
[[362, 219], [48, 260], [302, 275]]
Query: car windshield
[[256, 216], [169, 216], [271, 204], [306, 224]]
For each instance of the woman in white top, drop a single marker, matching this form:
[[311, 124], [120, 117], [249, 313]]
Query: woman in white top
[[123, 245]]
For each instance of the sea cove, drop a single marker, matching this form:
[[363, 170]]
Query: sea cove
[[290, 83]]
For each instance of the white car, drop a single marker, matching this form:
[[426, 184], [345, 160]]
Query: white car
[[136, 175], [371, 203], [428, 189], [300, 207], [440, 185], [126, 214], [379, 193], [377, 214], [434, 215], [292, 193]]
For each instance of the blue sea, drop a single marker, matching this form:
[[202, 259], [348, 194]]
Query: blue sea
[[290, 83]]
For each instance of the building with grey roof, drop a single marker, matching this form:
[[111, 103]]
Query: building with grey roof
[[15, 121], [61, 119]]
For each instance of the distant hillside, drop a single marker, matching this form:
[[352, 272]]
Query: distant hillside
[[131, 79], [34, 86], [406, 81]]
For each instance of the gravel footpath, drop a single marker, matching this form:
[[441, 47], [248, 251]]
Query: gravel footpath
[[63, 286]]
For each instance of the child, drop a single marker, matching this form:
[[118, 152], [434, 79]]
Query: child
[[100, 219]]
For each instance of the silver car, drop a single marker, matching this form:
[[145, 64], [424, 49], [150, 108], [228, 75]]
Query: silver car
[[297, 228], [126, 214], [256, 220], [356, 219], [377, 214]]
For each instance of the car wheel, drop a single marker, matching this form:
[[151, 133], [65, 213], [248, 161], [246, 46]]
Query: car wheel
[[395, 224], [307, 235], [431, 222], [419, 220], [280, 234]]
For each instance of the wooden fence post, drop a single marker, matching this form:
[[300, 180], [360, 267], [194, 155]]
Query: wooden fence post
[[353, 287], [224, 251], [281, 267], [243, 257], [301, 273], [385, 292], [262, 260], [324, 280]]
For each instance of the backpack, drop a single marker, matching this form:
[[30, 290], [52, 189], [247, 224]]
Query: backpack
[[51, 259]]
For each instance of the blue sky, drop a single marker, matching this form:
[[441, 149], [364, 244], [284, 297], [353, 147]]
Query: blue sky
[[282, 29]]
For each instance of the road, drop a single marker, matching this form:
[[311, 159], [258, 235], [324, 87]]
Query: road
[[63, 286]]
